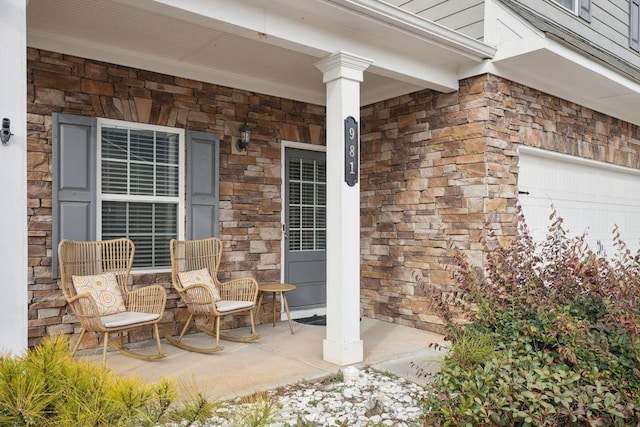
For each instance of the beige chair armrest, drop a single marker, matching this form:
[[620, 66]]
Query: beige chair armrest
[[86, 310], [199, 299], [243, 289], [150, 299]]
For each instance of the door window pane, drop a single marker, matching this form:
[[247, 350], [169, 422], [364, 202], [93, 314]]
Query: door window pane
[[307, 205]]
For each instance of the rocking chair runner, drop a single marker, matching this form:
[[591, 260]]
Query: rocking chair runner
[[94, 280], [194, 271]]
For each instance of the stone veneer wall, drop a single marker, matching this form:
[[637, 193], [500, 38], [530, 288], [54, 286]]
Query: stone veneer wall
[[439, 169], [250, 185]]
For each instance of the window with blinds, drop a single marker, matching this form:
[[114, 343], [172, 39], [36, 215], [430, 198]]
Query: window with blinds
[[141, 190], [307, 205]]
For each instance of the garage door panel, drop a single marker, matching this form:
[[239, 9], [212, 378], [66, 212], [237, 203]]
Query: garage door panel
[[590, 196]]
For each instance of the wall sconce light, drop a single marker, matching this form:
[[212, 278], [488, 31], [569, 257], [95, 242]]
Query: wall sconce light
[[5, 133], [245, 137]]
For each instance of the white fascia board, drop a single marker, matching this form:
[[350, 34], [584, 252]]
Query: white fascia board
[[247, 15], [416, 51], [161, 65], [430, 31]]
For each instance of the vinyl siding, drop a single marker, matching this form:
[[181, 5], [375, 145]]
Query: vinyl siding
[[611, 19], [465, 16], [608, 29]]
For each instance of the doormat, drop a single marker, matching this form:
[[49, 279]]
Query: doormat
[[313, 320]]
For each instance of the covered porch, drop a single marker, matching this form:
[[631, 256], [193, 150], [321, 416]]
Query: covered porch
[[295, 70], [294, 73], [279, 358]]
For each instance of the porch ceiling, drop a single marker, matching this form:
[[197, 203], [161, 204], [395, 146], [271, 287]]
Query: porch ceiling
[[263, 46]]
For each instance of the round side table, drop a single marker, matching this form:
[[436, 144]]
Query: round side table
[[275, 288]]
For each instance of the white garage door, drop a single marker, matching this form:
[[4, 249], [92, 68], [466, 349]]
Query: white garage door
[[590, 196]]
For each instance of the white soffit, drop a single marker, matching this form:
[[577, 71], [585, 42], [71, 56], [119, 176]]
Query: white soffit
[[530, 57], [263, 46]]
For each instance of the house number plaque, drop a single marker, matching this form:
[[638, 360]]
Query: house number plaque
[[350, 151]]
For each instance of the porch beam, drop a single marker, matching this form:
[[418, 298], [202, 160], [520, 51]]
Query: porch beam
[[342, 75], [398, 41]]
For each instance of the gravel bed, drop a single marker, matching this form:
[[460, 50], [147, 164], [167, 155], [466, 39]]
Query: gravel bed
[[363, 398]]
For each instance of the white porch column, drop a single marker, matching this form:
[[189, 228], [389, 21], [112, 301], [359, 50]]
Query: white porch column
[[342, 74], [13, 173]]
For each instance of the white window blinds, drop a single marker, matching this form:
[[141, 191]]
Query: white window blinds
[[140, 190], [307, 205]]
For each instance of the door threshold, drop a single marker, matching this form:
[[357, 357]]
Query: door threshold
[[306, 312]]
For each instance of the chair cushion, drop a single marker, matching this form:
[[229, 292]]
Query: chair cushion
[[223, 306], [127, 318], [202, 277], [104, 290]]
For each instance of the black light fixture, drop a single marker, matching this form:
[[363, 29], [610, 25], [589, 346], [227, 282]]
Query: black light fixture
[[245, 137], [5, 133]]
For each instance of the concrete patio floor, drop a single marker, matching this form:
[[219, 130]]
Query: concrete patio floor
[[279, 358]]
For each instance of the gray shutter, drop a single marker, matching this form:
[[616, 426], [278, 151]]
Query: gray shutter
[[203, 164], [584, 10], [634, 25], [74, 181]]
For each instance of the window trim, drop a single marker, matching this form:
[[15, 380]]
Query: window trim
[[634, 18], [74, 193], [563, 7], [181, 198], [581, 8]]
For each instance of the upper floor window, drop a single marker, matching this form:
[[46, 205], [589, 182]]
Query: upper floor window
[[568, 4], [634, 25], [582, 8], [140, 188]]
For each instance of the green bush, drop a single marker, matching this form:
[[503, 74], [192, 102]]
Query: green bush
[[46, 387], [564, 326]]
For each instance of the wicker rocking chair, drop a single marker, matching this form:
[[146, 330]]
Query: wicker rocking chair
[[93, 278], [194, 271]]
